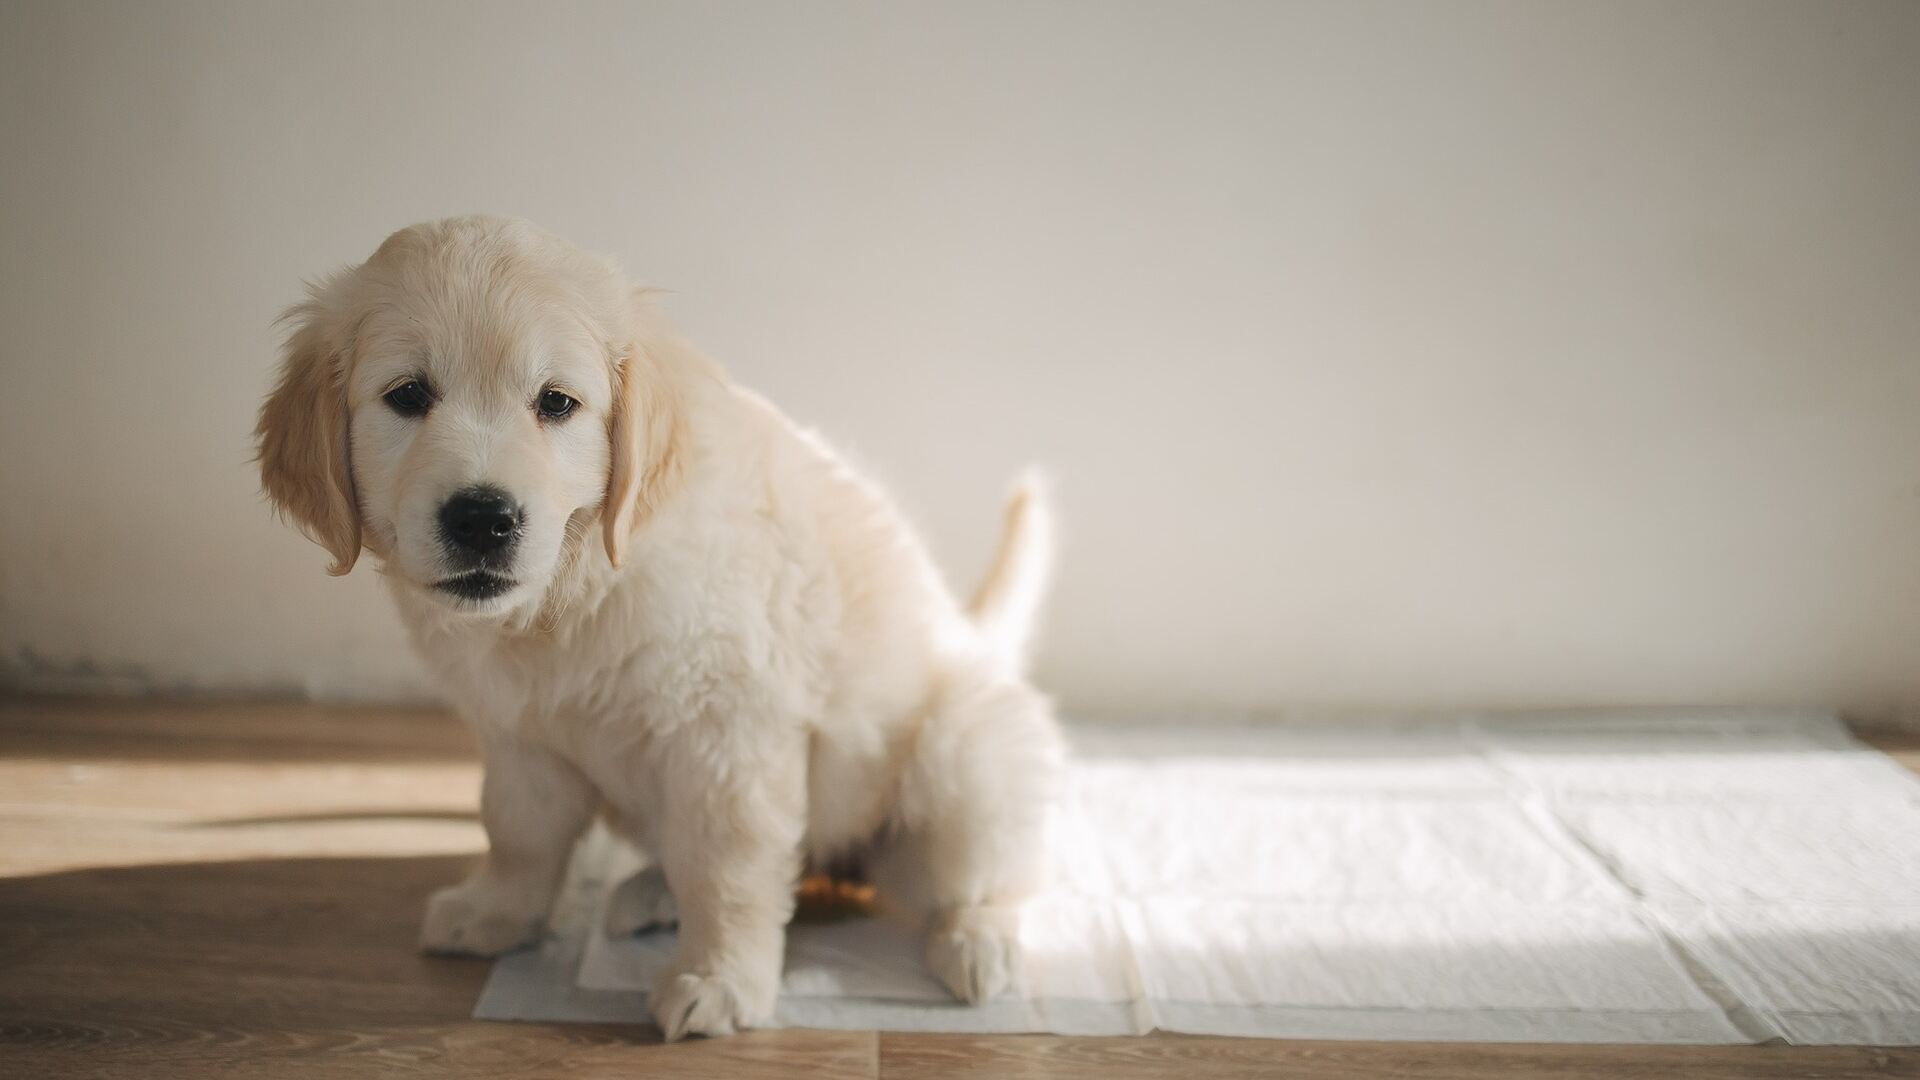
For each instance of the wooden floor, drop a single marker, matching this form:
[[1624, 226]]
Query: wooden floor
[[233, 891]]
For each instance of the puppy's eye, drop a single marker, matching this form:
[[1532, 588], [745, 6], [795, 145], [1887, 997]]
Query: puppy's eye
[[409, 398], [555, 405]]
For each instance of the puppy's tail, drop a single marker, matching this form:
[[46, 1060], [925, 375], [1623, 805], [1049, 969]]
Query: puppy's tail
[[1007, 603]]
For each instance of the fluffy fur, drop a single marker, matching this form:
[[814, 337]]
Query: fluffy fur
[[719, 636]]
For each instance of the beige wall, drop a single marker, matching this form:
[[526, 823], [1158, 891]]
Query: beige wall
[[1446, 354]]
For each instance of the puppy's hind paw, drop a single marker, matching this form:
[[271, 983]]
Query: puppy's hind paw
[[977, 962], [641, 902]]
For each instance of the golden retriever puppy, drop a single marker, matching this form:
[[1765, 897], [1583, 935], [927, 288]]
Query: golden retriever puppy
[[656, 599]]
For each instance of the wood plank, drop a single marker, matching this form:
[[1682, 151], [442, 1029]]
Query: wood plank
[[1901, 746], [255, 732], [920, 1057], [162, 1048]]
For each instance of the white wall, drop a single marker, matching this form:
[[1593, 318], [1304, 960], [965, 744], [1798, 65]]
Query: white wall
[[1444, 354]]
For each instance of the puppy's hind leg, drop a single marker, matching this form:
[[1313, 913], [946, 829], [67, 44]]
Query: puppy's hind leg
[[642, 901], [967, 840]]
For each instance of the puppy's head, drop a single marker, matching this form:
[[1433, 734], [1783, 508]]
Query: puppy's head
[[463, 405]]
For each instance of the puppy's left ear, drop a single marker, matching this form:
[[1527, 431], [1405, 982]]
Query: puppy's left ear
[[305, 463], [646, 435]]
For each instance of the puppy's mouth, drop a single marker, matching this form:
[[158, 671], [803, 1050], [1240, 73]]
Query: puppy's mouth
[[475, 585]]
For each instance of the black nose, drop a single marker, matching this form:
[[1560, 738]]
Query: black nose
[[480, 520]]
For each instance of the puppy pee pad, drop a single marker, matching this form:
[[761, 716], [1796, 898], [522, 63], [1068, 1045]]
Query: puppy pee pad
[[1687, 878]]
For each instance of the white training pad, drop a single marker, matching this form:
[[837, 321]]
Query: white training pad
[[1695, 878]]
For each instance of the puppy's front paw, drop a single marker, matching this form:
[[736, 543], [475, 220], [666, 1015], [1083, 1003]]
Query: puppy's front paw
[[641, 902], [976, 962], [468, 920], [696, 1004]]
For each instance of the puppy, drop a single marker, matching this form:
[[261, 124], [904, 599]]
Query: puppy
[[654, 598]]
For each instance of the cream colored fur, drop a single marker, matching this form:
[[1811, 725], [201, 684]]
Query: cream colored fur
[[774, 672]]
